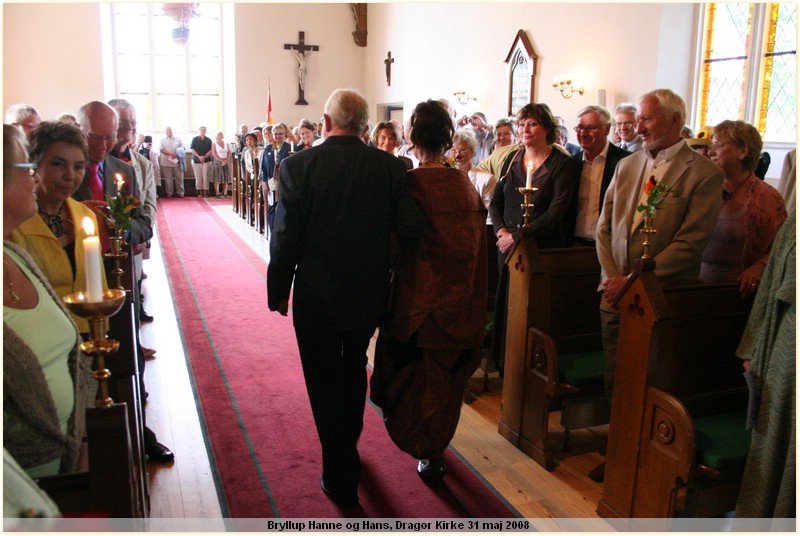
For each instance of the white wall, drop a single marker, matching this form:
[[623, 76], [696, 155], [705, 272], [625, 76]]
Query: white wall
[[51, 56], [441, 48], [261, 32]]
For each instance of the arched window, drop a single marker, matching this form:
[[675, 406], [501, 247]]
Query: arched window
[[171, 81], [749, 67]]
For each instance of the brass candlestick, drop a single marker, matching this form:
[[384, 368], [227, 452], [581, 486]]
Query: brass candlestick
[[647, 230], [116, 253], [98, 346], [527, 205]]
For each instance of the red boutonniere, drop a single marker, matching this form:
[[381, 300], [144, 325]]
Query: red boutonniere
[[656, 191]]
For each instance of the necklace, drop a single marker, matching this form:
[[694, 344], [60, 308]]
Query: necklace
[[728, 195], [433, 162], [11, 292], [55, 222]]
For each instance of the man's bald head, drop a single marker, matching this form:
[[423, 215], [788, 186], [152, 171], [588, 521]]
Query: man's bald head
[[98, 121]]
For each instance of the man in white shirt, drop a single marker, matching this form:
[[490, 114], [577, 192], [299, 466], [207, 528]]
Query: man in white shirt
[[594, 167], [168, 162]]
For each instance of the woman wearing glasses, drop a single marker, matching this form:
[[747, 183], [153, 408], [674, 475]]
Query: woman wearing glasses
[[53, 236], [46, 380], [751, 214]]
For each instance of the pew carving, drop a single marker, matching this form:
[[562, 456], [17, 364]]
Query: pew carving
[[677, 443], [552, 315]]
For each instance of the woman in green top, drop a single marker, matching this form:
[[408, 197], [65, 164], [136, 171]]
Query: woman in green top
[[46, 379]]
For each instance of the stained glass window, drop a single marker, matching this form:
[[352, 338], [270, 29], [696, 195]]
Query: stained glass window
[[749, 67]]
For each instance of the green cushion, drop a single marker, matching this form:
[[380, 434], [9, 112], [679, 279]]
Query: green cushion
[[721, 440], [582, 369]]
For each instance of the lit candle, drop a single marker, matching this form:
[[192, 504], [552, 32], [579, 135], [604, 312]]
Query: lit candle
[[91, 253], [120, 183], [529, 176]]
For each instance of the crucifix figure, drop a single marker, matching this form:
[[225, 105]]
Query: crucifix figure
[[301, 52], [388, 62]]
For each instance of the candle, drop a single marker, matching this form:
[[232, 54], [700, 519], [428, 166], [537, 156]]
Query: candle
[[92, 257], [120, 183], [529, 176]]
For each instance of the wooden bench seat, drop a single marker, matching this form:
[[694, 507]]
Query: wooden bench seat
[[677, 440], [570, 383]]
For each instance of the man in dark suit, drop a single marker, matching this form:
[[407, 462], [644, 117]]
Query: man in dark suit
[[594, 167], [339, 204], [100, 123]]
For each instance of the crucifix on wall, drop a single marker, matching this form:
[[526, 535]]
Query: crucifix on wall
[[301, 52], [388, 62]]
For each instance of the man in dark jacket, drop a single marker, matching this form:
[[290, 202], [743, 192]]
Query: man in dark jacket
[[339, 204], [594, 167]]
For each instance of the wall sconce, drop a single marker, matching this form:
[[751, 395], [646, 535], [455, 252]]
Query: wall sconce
[[463, 97], [563, 84]]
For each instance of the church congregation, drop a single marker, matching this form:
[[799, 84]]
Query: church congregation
[[401, 250]]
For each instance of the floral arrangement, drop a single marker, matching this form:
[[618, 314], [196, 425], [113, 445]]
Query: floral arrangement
[[116, 212], [656, 191], [451, 162], [122, 208]]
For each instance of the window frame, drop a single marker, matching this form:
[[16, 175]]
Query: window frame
[[111, 62], [754, 85]]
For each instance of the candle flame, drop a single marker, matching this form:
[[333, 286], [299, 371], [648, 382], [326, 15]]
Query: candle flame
[[120, 181], [88, 226]]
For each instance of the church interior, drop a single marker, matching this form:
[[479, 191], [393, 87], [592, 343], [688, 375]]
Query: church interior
[[58, 56]]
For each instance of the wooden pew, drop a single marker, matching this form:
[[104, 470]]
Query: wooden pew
[[553, 291], [676, 372], [125, 384], [235, 175], [105, 489], [242, 191]]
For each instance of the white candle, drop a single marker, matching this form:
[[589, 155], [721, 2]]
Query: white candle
[[529, 176], [120, 183], [91, 253]]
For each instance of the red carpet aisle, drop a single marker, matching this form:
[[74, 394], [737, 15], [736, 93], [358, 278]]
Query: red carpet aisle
[[250, 387]]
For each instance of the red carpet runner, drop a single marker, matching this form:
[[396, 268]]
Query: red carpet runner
[[250, 387]]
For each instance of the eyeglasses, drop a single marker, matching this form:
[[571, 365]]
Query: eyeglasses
[[30, 166], [104, 139], [587, 128], [624, 123], [126, 126]]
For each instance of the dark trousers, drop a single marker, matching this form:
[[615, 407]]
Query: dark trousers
[[334, 365]]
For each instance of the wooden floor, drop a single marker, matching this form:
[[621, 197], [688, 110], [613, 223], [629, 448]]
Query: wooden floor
[[185, 488]]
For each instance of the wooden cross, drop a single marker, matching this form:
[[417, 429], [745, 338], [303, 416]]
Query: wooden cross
[[301, 52], [388, 62]]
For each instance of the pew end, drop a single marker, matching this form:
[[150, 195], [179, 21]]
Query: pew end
[[555, 292], [109, 487], [677, 443], [571, 383]]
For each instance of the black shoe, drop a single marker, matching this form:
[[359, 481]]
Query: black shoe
[[432, 470], [158, 453], [345, 500], [598, 474], [144, 317]]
